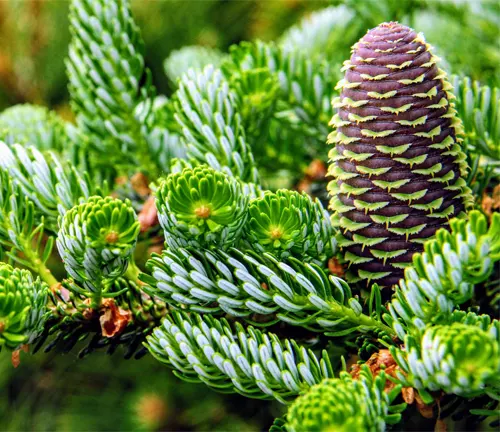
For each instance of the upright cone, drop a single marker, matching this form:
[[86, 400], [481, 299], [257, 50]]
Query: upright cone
[[397, 162]]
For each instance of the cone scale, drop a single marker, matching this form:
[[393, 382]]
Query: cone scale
[[397, 163]]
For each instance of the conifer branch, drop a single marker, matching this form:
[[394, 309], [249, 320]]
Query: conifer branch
[[21, 235], [164, 140], [108, 80], [237, 256], [208, 115], [96, 241], [347, 403], [477, 106], [53, 185], [229, 359], [75, 322], [444, 275], [32, 125], [459, 358], [23, 302], [306, 84], [247, 285], [312, 34]]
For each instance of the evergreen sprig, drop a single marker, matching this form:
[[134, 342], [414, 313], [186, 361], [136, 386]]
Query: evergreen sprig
[[164, 141], [21, 233], [52, 184], [458, 358], [236, 359], [191, 57], [96, 242], [287, 223], [312, 35], [108, 80], [76, 323], [237, 257], [36, 126], [201, 207], [207, 112], [245, 284], [444, 276], [477, 106], [306, 84]]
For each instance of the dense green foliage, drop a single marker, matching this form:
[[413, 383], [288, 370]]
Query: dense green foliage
[[183, 230]]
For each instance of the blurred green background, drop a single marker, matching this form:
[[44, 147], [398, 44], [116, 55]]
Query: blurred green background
[[54, 392], [34, 35]]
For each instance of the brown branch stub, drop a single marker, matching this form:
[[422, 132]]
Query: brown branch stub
[[383, 361], [487, 204], [336, 268], [152, 410], [491, 203], [496, 197], [379, 361], [113, 319], [315, 172], [88, 313], [63, 292]]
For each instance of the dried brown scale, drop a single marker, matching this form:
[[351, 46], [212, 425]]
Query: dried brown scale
[[397, 163]]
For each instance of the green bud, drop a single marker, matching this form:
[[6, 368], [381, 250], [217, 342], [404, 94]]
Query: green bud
[[332, 405], [345, 404], [22, 306], [289, 223], [458, 358], [201, 207], [96, 240]]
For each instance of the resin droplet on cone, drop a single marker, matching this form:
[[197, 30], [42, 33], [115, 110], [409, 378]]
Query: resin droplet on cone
[[397, 162]]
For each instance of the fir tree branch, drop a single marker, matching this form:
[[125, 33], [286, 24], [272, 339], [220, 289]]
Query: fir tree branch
[[108, 80], [72, 321], [311, 35], [21, 236], [207, 111], [53, 185], [444, 275], [96, 241], [22, 307], [478, 108], [247, 361], [244, 283], [460, 358], [164, 140], [306, 84], [345, 403], [32, 125]]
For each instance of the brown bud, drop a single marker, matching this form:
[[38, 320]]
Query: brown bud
[[148, 217], [16, 355], [316, 170], [140, 184], [113, 318]]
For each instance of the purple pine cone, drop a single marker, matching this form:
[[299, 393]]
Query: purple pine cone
[[397, 163]]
